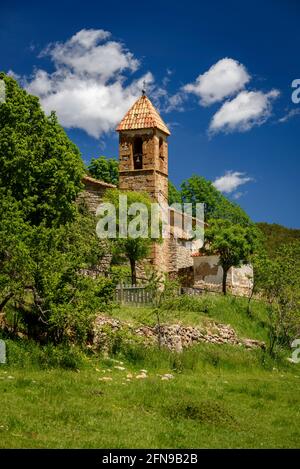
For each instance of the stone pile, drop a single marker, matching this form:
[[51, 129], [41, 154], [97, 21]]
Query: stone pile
[[173, 336]]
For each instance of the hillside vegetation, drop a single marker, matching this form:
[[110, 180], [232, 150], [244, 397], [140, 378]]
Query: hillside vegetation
[[277, 235]]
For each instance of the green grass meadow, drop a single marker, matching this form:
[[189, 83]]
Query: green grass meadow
[[221, 396]]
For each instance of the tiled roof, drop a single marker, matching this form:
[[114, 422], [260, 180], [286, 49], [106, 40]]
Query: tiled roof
[[142, 115], [97, 181], [197, 254]]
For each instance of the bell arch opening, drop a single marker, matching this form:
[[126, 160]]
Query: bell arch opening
[[138, 153]]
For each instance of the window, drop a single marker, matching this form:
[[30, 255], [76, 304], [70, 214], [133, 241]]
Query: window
[[138, 153], [161, 148]]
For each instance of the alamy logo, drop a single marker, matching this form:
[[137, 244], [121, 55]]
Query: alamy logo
[[296, 353], [137, 220], [296, 92], [2, 91]]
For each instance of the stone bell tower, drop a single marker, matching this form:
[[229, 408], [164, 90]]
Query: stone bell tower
[[143, 151], [143, 160]]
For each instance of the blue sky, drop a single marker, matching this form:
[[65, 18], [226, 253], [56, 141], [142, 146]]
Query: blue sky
[[220, 73]]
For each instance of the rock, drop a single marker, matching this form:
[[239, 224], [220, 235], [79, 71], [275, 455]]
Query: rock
[[250, 343], [291, 360], [167, 376], [142, 376]]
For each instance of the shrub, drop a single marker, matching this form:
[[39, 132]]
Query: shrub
[[27, 354]]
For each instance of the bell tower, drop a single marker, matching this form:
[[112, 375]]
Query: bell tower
[[143, 162], [143, 151]]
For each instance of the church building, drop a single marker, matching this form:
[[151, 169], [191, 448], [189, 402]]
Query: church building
[[143, 166]]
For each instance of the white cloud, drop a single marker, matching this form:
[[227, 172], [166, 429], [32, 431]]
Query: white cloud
[[14, 75], [231, 181], [247, 109], [88, 53], [224, 78], [174, 102], [289, 115], [87, 89]]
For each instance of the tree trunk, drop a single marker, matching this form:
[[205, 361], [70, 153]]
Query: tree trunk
[[224, 281], [6, 300], [133, 272]]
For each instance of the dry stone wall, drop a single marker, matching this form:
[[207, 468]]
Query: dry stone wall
[[175, 337]]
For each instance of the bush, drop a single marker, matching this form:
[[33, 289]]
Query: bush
[[28, 354]]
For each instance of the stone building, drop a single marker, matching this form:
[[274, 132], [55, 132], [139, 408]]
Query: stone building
[[208, 274], [143, 166]]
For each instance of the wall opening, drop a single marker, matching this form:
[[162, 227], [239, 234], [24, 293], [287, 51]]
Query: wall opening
[[138, 153], [161, 148]]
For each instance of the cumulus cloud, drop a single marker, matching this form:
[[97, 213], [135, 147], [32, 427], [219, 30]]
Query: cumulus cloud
[[88, 88], [231, 181], [289, 115], [224, 78], [247, 109]]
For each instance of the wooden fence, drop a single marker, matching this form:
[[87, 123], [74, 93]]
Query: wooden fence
[[138, 295]]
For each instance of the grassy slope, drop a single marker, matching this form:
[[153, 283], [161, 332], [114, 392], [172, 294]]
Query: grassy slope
[[220, 396], [230, 310]]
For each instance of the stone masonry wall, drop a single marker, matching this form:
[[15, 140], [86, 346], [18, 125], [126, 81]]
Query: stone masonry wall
[[93, 193], [208, 274]]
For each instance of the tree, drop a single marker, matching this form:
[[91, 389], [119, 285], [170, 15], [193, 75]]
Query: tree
[[104, 169], [62, 298], [133, 248], [42, 274], [40, 166], [15, 261], [278, 282], [277, 235], [174, 194], [46, 241], [233, 243], [197, 189]]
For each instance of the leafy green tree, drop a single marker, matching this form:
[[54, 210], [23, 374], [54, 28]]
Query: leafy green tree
[[278, 282], [15, 260], [40, 166], [197, 189], [47, 243], [233, 243], [59, 300], [104, 169], [133, 248]]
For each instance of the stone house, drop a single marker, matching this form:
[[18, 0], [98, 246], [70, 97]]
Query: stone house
[[143, 166]]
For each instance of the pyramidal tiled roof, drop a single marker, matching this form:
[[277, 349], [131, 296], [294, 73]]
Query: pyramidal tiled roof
[[142, 115]]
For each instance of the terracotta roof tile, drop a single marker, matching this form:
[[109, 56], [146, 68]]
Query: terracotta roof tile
[[142, 115], [197, 254], [97, 181]]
